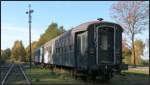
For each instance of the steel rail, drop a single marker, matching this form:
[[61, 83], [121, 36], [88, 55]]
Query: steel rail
[[28, 81], [7, 74]]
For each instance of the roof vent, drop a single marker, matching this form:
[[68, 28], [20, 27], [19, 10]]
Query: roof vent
[[100, 19]]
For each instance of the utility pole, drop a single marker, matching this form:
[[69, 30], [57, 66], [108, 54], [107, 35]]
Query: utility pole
[[29, 14]]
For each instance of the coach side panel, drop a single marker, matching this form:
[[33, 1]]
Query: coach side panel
[[63, 53]]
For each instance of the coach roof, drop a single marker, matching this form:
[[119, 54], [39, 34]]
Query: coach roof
[[85, 25]]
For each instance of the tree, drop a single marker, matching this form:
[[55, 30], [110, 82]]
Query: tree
[[1, 59], [6, 53], [1, 51], [144, 62], [139, 48], [33, 47], [61, 29], [132, 16], [126, 52], [51, 32], [18, 51], [5, 56]]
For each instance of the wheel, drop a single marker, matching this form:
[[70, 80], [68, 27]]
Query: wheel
[[84, 78], [106, 77]]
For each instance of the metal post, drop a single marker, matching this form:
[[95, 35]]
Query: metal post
[[29, 13]]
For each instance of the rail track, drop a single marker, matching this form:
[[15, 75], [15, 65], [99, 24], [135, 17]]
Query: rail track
[[14, 74]]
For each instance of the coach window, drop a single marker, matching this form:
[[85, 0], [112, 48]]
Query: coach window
[[104, 42], [56, 50], [83, 42], [65, 49], [50, 50], [62, 50], [70, 47], [59, 49]]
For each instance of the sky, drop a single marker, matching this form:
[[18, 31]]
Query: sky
[[14, 20]]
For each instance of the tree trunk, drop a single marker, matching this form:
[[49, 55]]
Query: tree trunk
[[133, 50]]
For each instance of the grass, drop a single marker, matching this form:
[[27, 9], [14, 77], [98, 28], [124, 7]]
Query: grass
[[46, 76], [131, 77]]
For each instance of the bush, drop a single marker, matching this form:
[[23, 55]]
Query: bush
[[37, 80], [145, 62], [2, 61]]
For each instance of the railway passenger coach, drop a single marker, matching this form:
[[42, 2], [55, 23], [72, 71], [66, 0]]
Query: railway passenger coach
[[38, 55], [93, 48]]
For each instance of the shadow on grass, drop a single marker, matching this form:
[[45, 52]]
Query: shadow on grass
[[46, 76], [130, 78], [39, 75]]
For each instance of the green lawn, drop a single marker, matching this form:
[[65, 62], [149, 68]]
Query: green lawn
[[45, 76], [131, 77]]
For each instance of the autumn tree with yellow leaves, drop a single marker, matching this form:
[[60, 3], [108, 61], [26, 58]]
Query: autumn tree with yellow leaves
[[133, 16], [18, 51], [33, 47], [139, 48], [126, 52]]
